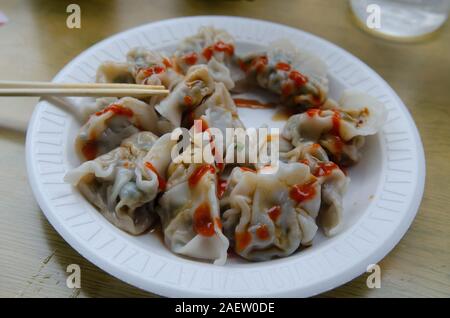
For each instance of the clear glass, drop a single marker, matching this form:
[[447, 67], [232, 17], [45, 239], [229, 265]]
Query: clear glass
[[400, 19]]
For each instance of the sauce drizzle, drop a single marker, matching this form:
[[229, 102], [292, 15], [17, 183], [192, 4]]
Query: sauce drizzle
[[252, 103], [325, 169], [313, 112], [283, 113], [190, 58], [187, 100], [161, 181], [243, 239], [336, 120], [247, 169], [167, 62], [262, 232], [90, 149], [199, 173], [207, 53], [274, 212], [221, 46], [298, 78], [283, 66], [259, 63], [203, 224], [218, 223], [149, 71], [116, 109], [303, 192]]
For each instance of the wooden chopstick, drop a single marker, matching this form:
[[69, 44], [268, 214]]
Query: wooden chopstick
[[14, 88], [93, 92], [28, 84]]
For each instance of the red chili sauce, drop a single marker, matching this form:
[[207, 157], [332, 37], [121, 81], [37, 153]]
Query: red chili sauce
[[203, 223], [161, 181]]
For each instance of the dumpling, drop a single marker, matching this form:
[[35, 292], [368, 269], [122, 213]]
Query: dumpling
[[86, 106], [297, 76], [152, 68], [187, 95], [332, 180], [222, 99], [190, 214], [123, 183], [220, 73], [114, 72], [270, 215], [217, 111], [207, 43], [210, 46], [105, 129], [189, 208], [339, 130]]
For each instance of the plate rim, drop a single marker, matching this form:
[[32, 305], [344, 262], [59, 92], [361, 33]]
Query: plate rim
[[154, 286]]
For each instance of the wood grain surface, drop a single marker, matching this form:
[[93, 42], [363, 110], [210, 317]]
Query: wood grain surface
[[36, 44]]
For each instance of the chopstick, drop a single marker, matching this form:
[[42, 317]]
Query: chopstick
[[8, 88], [28, 84], [94, 92]]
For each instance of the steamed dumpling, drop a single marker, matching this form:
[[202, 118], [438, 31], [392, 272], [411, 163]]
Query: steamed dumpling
[[143, 66], [339, 130], [190, 215], [270, 215], [218, 111], [187, 95], [189, 208], [106, 128], [222, 99], [152, 68], [297, 76], [124, 182], [331, 179], [210, 46]]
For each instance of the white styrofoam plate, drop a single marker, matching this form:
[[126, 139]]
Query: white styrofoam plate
[[383, 197]]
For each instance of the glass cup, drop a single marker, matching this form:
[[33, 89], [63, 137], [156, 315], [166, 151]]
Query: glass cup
[[400, 19]]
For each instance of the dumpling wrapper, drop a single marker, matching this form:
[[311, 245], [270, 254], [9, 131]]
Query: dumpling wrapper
[[105, 129], [152, 68], [212, 47], [333, 184], [190, 215], [120, 183], [189, 209], [340, 130], [187, 95], [297, 76], [261, 217]]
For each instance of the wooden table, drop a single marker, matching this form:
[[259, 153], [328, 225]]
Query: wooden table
[[35, 45]]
